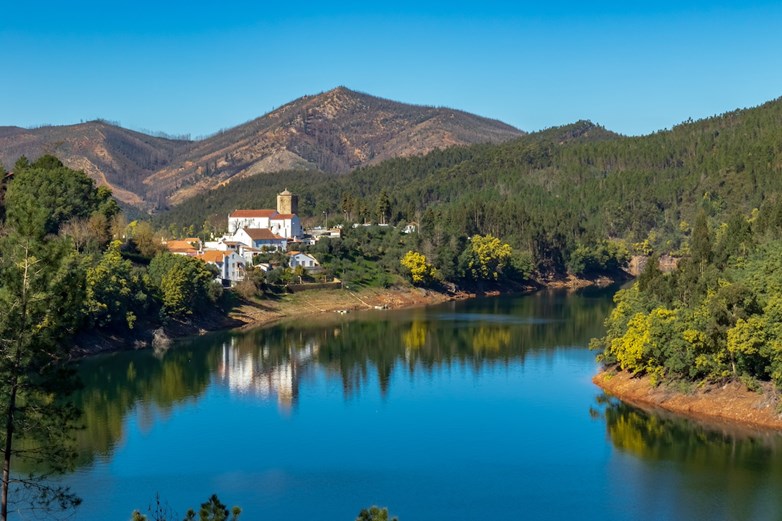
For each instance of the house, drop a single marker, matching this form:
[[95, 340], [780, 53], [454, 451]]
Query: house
[[229, 263], [247, 253], [287, 225], [249, 219], [223, 244], [260, 238], [330, 233], [305, 260], [190, 246]]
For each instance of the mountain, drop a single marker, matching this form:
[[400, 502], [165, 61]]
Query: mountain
[[415, 183], [113, 156], [549, 192], [333, 132]]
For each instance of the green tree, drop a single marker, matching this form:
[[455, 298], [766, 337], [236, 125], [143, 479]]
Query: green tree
[[147, 242], [46, 194], [383, 207], [115, 292], [700, 242], [347, 205], [183, 283], [375, 514], [211, 510], [41, 294]]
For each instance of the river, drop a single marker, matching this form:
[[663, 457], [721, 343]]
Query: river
[[475, 410]]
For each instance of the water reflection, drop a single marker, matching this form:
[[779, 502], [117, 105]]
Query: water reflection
[[274, 363], [265, 371], [703, 467]]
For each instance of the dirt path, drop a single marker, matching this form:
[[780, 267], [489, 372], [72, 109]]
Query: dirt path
[[731, 402]]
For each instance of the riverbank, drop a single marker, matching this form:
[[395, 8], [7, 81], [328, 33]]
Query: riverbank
[[259, 312], [256, 313], [731, 402]]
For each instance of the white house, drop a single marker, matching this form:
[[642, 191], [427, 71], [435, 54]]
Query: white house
[[225, 243], [229, 263], [260, 237], [287, 225], [306, 261], [249, 219]]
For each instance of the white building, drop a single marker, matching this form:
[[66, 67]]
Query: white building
[[297, 258], [283, 221], [250, 219], [230, 265], [260, 238], [287, 225]]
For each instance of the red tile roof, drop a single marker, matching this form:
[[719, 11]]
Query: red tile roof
[[180, 247], [253, 213], [212, 256], [260, 234], [281, 216]]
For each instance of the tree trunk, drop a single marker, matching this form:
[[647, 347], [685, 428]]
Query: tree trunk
[[11, 410], [9, 431]]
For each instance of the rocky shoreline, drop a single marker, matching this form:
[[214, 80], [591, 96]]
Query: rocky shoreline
[[731, 402]]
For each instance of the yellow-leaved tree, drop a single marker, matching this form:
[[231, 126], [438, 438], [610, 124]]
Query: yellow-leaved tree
[[487, 257], [418, 268]]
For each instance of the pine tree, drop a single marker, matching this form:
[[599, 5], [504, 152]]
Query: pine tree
[[41, 294], [383, 207]]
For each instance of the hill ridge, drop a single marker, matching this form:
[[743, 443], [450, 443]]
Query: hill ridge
[[334, 132]]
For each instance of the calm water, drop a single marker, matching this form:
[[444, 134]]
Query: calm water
[[468, 411]]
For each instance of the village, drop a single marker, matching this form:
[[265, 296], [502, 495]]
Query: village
[[254, 235]]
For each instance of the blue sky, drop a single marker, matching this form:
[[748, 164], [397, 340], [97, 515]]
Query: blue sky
[[196, 67]]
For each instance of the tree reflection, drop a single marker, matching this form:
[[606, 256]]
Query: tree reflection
[[743, 464], [273, 363], [118, 384]]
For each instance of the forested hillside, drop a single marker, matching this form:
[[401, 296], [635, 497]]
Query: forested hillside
[[556, 194], [332, 132]]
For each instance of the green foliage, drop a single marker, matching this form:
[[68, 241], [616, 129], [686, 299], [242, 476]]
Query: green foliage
[[603, 257], [46, 194], [144, 239], [252, 285], [717, 316], [183, 283], [365, 255], [375, 514], [211, 510], [41, 294], [115, 291]]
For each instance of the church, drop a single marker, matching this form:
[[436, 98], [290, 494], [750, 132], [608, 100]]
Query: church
[[282, 222]]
